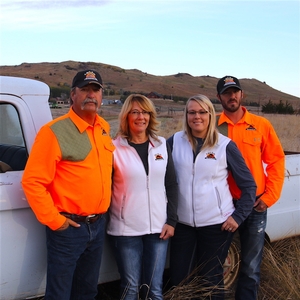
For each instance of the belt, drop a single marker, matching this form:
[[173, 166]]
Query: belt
[[86, 219]]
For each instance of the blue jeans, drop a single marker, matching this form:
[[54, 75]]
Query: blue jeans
[[74, 258], [252, 237], [199, 251], [141, 263]]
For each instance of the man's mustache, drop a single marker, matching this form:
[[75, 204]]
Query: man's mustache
[[89, 100]]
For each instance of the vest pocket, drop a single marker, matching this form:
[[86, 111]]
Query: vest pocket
[[219, 200], [123, 207]]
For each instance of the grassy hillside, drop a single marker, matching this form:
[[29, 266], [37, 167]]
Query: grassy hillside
[[120, 80]]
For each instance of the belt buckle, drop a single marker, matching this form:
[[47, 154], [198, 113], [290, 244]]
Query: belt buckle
[[87, 219]]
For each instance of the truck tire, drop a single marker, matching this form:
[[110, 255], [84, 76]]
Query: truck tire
[[231, 266]]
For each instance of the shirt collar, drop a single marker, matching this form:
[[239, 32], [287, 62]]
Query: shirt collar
[[247, 116], [80, 123], [153, 142], [245, 119]]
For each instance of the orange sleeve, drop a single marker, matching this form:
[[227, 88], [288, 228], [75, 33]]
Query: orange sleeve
[[273, 156], [38, 175], [262, 147]]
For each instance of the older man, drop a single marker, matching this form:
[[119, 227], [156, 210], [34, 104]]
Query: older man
[[67, 181]]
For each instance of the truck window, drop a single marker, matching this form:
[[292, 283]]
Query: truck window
[[13, 153]]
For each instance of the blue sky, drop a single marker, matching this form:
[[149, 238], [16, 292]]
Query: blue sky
[[246, 39]]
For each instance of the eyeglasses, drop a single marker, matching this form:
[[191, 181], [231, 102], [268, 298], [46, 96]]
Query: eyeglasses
[[136, 113], [193, 112]]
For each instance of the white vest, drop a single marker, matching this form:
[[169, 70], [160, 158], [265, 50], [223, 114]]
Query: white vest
[[204, 196], [139, 202]]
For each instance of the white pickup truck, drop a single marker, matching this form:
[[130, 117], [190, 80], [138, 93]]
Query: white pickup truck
[[24, 109]]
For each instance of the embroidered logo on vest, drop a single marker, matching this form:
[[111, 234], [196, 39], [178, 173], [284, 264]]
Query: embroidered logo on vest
[[210, 155], [158, 157]]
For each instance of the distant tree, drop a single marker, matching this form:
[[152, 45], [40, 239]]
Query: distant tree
[[179, 98], [58, 91], [286, 108], [63, 96], [280, 108], [268, 108]]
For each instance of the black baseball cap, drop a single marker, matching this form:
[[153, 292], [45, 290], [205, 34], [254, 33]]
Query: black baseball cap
[[227, 82], [86, 77]]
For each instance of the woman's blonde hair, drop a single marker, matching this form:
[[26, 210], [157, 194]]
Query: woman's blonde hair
[[212, 133], [146, 105]]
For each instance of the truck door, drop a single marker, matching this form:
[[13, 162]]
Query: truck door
[[23, 251]]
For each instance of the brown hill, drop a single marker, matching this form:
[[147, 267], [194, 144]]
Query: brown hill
[[136, 81]]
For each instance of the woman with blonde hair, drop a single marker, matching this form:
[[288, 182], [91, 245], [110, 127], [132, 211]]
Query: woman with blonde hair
[[207, 217], [143, 211]]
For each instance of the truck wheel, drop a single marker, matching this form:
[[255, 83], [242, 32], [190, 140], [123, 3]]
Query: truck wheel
[[231, 266]]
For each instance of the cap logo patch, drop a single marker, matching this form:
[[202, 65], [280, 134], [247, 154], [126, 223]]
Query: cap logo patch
[[90, 76], [229, 80], [210, 155]]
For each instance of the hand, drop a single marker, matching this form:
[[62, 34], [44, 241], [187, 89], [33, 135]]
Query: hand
[[260, 205], [68, 223], [230, 225], [167, 232]]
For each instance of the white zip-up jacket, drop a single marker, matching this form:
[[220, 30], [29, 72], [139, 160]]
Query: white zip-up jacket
[[139, 202], [204, 196]]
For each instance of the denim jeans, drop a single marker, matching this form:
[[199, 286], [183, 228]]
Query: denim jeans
[[141, 263], [252, 237], [74, 258], [199, 251]]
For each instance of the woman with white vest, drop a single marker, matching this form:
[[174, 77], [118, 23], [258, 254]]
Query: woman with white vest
[[207, 217], [143, 211]]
